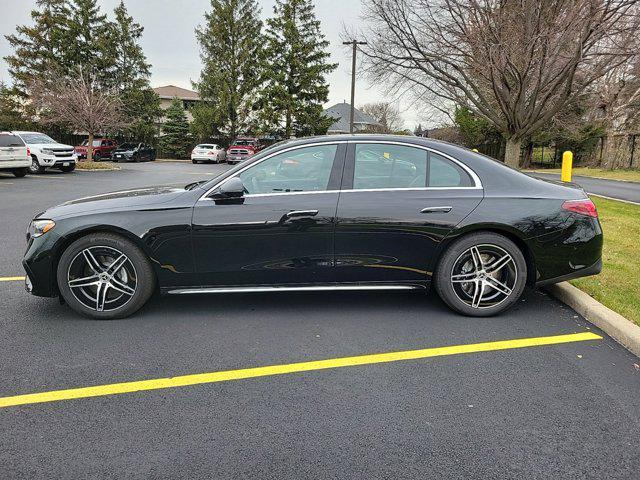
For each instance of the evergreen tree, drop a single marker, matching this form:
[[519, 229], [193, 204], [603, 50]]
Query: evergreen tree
[[38, 48], [87, 40], [130, 70], [129, 75], [176, 138], [231, 44], [296, 87], [13, 115]]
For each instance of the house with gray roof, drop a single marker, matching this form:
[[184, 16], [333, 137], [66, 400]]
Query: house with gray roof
[[341, 112]]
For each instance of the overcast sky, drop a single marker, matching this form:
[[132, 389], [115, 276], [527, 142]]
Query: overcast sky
[[170, 45]]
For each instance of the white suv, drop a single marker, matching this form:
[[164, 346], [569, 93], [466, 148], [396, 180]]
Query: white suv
[[47, 153], [14, 154]]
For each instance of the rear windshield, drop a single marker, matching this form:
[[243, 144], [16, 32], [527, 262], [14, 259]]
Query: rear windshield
[[10, 141], [206, 147]]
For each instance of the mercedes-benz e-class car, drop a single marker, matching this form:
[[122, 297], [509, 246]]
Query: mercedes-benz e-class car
[[329, 213]]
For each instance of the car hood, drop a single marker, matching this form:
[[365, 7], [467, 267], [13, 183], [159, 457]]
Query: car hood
[[49, 145], [123, 200]]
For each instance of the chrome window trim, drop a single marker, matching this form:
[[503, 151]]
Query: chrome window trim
[[474, 177]]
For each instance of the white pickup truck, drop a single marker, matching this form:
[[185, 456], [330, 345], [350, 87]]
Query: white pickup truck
[[47, 153], [14, 154]]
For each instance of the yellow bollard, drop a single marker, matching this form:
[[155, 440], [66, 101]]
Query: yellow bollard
[[476, 150], [567, 166]]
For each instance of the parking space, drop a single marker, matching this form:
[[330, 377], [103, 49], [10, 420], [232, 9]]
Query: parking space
[[535, 409]]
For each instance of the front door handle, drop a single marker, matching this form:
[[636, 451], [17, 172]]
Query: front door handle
[[301, 213], [436, 210]]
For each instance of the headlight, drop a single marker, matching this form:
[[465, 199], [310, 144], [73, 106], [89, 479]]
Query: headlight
[[37, 228], [47, 151]]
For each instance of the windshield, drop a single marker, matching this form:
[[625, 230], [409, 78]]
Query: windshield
[[128, 146], [244, 142], [37, 138], [96, 143]]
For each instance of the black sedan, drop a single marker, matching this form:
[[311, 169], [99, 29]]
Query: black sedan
[[134, 152], [330, 213]]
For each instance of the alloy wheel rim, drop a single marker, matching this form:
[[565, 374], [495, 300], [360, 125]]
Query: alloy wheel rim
[[34, 165], [484, 276], [102, 278]]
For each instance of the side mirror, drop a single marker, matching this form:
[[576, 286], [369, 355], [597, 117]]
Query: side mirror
[[231, 189]]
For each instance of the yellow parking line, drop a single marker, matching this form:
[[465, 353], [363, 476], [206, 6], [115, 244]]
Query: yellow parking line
[[11, 279], [228, 375]]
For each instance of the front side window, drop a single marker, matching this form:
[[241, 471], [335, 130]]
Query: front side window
[[304, 169], [389, 166]]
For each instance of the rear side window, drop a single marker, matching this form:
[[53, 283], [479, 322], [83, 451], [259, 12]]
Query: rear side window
[[389, 166], [445, 173], [11, 141]]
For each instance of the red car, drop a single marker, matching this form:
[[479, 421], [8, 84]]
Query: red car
[[243, 148], [102, 149]]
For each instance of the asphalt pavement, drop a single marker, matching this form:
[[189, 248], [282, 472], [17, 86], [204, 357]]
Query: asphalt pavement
[[570, 410], [628, 191]]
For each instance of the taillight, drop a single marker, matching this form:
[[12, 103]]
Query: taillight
[[581, 207], [28, 152]]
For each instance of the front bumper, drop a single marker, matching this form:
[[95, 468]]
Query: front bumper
[[54, 161], [233, 159], [39, 267]]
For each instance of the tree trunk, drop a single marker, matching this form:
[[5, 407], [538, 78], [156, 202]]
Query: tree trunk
[[512, 152], [287, 128], [90, 148], [528, 155]]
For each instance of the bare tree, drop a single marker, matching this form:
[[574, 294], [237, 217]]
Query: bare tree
[[386, 114], [515, 62], [80, 103]]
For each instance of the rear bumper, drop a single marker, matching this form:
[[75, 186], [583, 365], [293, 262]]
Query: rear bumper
[[11, 164], [594, 269]]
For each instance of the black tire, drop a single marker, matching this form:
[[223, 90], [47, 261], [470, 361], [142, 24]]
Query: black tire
[[20, 172], [35, 166], [97, 156], [145, 280], [460, 295], [68, 169]]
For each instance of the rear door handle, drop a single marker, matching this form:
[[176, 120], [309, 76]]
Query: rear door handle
[[301, 213], [436, 210]]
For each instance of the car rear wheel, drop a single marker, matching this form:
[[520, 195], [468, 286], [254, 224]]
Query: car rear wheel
[[481, 274], [35, 166], [105, 276], [20, 172]]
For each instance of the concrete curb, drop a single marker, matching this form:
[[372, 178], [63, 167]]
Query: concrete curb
[[615, 325]]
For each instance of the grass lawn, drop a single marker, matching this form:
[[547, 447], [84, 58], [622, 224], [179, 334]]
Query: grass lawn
[[629, 175], [96, 166], [618, 286]]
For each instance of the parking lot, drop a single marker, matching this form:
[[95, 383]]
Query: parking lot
[[551, 406]]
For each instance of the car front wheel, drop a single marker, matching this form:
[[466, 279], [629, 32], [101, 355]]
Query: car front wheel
[[481, 274], [105, 276], [35, 166]]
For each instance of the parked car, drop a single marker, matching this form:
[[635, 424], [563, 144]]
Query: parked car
[[102, 149], [352, 212], [208, 152], [134, 152], [14, 154], [46, 153], [242, 148]]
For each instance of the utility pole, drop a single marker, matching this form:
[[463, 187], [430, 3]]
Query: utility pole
[[355, 44]]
